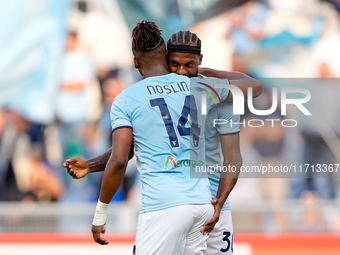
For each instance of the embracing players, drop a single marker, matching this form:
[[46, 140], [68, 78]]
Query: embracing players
[[184, 58]]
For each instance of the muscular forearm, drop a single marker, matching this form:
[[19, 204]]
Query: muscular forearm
[[112, 178], [221, 74], [98, 164], [228, 179], [116, 166], [223, 193], [238, 79], [244, 84]]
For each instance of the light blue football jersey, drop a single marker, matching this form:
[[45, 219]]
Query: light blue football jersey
[[213, 156], [157, 110]]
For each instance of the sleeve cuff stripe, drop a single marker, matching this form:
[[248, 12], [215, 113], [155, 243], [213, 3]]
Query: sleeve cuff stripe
[[231, 133], [125, 126]]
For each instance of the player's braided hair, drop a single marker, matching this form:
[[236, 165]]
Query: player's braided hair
[[184, 38], [146, 36]]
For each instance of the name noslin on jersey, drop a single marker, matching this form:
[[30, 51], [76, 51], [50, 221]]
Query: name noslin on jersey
[[168, 89]]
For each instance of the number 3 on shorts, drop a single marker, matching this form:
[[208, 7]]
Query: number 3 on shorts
[[227, 234]]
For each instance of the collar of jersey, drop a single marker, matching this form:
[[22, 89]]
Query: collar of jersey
[[165, 75]]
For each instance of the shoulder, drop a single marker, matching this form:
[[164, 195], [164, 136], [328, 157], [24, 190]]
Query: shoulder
[[129, 92]]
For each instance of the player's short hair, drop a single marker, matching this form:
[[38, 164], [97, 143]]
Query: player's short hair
[[184, 42], [146, 37]]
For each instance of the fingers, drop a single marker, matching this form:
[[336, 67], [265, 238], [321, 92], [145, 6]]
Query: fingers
[[96, 231], [76, 167], [72, 160], [70, 170], [208, 229], [214, 201], [209, 226], [100, 240], [68, 167], [73, 174], [214, 219]]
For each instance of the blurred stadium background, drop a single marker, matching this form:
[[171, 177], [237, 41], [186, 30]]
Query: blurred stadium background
[[62, 64]]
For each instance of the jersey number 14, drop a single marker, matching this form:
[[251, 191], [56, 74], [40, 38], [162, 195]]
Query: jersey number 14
[[194, 129]]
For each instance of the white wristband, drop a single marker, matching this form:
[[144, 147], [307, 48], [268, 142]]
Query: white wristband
[[100, 214]]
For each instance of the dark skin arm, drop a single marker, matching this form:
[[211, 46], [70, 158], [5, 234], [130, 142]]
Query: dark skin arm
[[232, 156], [79, 168], [114, 173], [240, 80]]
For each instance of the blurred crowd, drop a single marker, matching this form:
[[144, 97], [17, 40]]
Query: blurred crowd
[[282, 39]]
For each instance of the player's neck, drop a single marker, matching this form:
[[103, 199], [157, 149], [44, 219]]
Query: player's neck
[[156, 71]]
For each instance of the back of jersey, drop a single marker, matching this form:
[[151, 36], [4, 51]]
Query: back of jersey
[[158, 110]]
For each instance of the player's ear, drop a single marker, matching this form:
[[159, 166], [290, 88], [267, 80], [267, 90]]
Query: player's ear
[[200, 59], [135, 62], [167, 56]]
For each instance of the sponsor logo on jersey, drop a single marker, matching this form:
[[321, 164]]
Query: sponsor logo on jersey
[[169, 160], [182, 163]]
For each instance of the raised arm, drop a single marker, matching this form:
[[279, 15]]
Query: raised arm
[[112, 178], [238, 79]]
